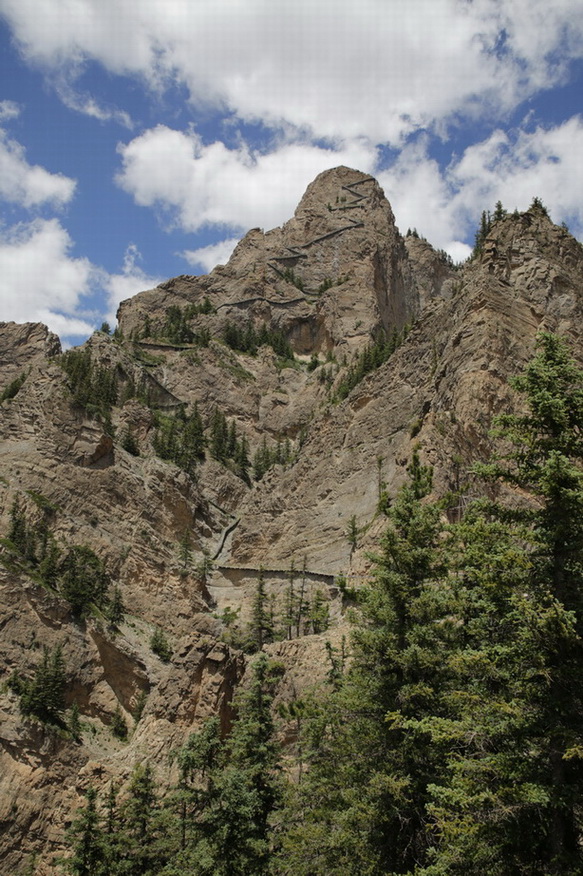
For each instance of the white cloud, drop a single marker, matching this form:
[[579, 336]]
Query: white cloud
[[515, 167], [29, 185], [208, 257], [421, 197], [344, 69], [39, 280], [131, 280], [87, 105], [200, 185], [9, 110], [511, 167]]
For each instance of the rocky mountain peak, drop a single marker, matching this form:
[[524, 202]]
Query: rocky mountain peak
[[249, 425], [331, 277]]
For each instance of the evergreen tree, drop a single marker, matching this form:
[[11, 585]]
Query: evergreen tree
[[137, 838], [160, 645], [362, 805], [229, 789], [528, 767], [83, 579], [115, 609], [43, 696], [87, 841], [260, 627], [352, 533]]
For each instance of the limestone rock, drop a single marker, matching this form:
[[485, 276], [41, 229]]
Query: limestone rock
[[187, 549]]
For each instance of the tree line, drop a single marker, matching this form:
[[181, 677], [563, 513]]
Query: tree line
[[453, 742]]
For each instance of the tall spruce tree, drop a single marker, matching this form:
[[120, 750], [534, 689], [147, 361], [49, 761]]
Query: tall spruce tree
[[361, 808], [512, 800], [87, 841]]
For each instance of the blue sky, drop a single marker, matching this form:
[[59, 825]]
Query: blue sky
[[139, 139]]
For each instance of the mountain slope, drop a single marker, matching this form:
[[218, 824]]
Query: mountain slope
[[183, 542]]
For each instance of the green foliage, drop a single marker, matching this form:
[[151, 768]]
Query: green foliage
[[544, 458], [115, 608], [214, 822], [371, 358], [204, 567], [129, 443], [160, 645], [177, 326], [83, 579], [42, 502], [230, 788], [43, 695], [87, 841], [261, 627], [76, 572], [487, 222], [314, 362], [177, 329], [226, 445], [266, 457], [139, 706], [352, 533], [248, 340], [482, 232], [93, 388], [180, 439], [118, 725], [13, 387], [538, 206], [290, 276], [450, 744]]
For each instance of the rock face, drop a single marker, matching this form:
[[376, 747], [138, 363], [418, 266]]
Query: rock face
[[334, 274], [186, 545]]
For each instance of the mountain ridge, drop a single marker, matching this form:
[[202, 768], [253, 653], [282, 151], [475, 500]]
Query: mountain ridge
[[331, 289]]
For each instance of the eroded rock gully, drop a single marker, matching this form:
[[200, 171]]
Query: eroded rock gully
[[183, 548]]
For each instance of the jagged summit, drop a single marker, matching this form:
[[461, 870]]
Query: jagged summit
[[292, 369], [335, 273]]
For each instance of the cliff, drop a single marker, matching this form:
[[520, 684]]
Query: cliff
[[333, 347]]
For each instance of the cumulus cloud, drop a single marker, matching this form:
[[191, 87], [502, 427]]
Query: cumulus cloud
[[9, 110], [39, 280], [29, 185], [198, 185], [208, 257], [131, 280], [374, 69], [512, 167]]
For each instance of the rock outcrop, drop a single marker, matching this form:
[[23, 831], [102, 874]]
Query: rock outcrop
[[186, 545]]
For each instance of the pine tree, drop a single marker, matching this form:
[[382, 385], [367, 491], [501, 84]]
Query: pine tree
[[362, 807], [115, 609], [43, 696], [545, 614], [83, 579], [260, 627], [87, 841], [508, 800], [136, 839], [352, 533], [229, 789]]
